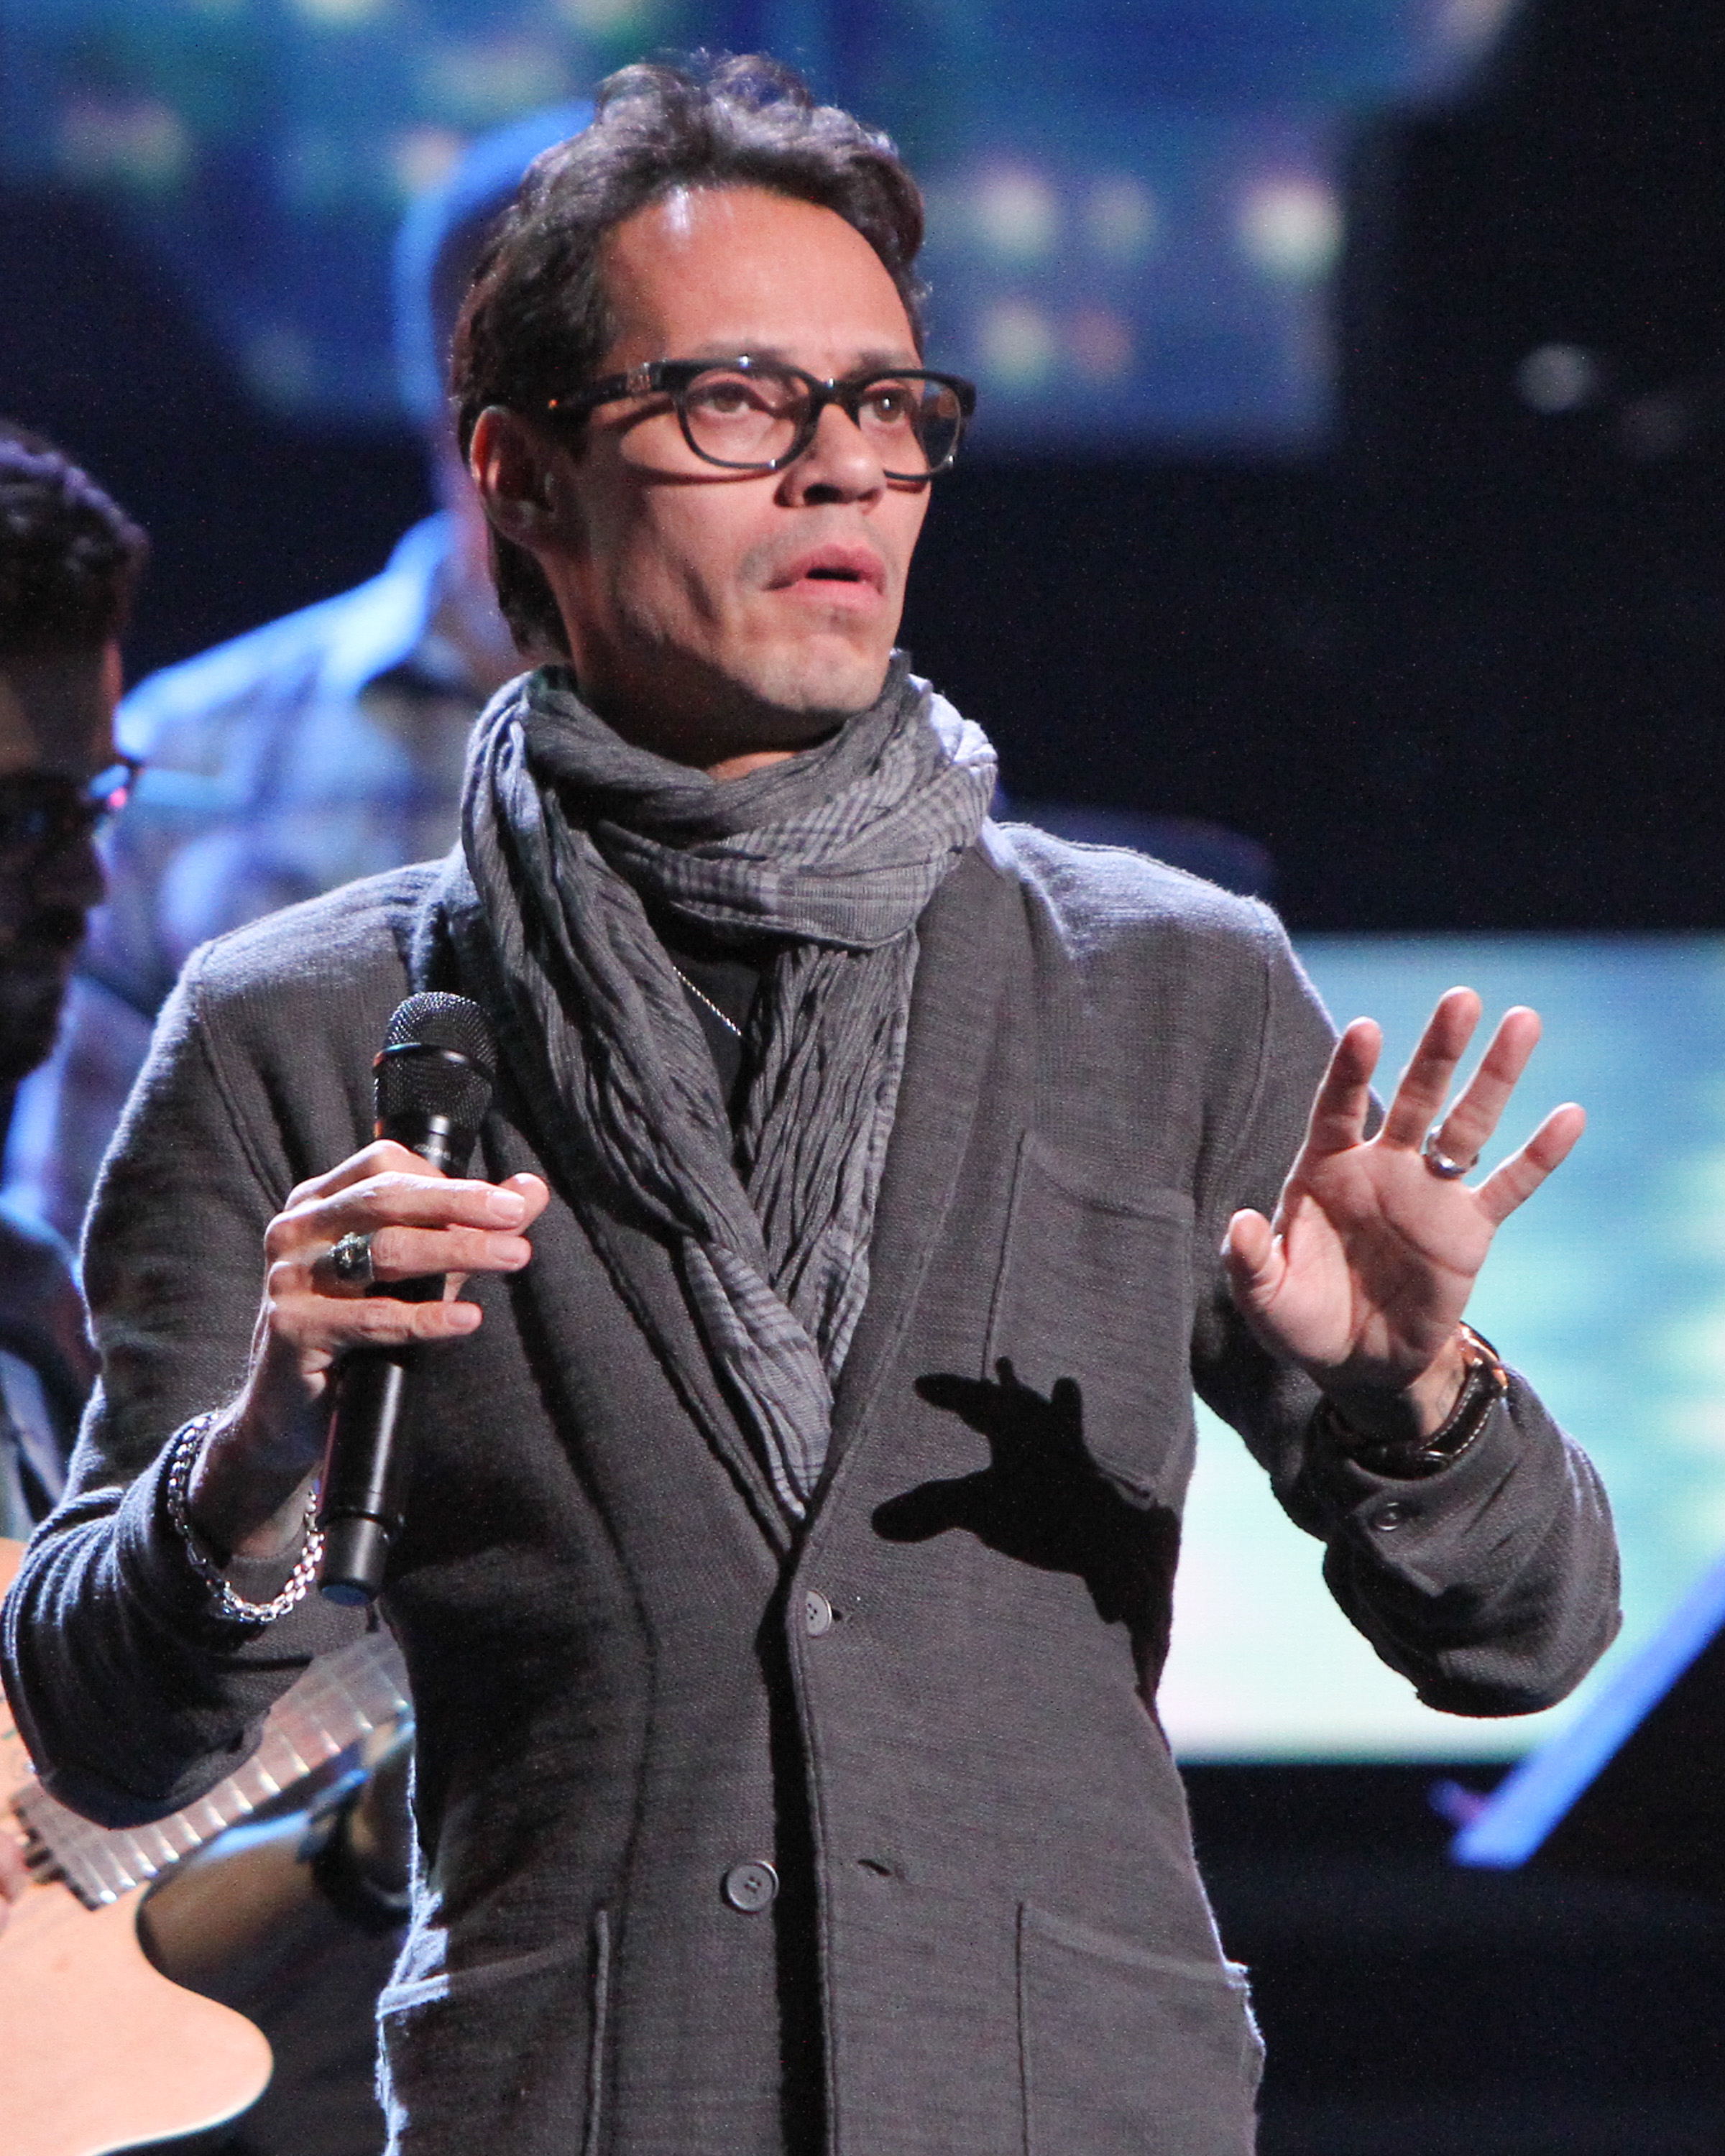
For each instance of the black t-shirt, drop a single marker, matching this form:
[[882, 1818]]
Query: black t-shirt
[[722, 981]]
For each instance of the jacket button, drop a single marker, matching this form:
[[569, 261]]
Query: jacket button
[[817, 1612], [1388, 1518], [752, 1886]]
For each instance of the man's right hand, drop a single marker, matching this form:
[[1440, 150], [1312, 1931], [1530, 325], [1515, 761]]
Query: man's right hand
[[250, 1482]]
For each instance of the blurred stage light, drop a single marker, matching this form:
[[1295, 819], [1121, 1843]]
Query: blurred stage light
[[1472, 24], [481, 82], [1120, 219], [339, 14], [282, 367], [1015, 214], [611, 18], [142, 143], [1291, 228], [421, 157], [1018, 345], [1559, 378], [1100, 343]]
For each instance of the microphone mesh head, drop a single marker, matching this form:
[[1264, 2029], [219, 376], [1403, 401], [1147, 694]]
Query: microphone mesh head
[[438, 1060], [436, 1021]]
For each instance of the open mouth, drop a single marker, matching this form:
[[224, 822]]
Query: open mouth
[[848, 572]]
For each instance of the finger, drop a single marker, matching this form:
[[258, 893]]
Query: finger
[[532, 1190], [1521, 1175], [421, 1200], [315, 1325], [1253, 1260], [383, 1156], [409, 1201], [1420, 1092], [1473, 1115], [1338, 1111], [399, 1254], [14, 1873]]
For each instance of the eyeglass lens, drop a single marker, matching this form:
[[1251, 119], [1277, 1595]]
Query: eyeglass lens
[[755, 419]]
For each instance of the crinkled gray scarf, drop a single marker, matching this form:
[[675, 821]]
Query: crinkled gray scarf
[[567, 828]]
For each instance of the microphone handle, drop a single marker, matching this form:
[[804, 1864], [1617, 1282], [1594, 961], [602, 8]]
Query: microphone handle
[[360, 1497], [359, 1506]]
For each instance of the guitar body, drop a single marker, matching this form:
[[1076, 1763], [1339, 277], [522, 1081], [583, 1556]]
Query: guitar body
[[98, 2051]]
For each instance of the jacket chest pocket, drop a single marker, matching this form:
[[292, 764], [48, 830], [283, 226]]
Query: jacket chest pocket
[[1095, 1286]]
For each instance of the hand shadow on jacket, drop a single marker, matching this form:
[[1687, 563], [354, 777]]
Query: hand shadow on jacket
[[1044, 1501]]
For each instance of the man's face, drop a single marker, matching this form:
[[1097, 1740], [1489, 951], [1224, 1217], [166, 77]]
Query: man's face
[[712, 613], [56, 723]]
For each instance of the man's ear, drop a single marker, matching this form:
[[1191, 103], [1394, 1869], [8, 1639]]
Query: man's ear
[[514, 469]]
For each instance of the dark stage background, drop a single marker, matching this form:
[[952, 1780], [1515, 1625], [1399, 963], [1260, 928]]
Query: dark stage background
[[1461, 668]]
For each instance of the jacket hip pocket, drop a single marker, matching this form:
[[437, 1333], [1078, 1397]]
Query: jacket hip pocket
[[1129, 2053], [508, 2054]]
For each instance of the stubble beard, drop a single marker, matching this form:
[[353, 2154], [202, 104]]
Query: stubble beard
[[35, 969], [778, 693], [29, 1019]]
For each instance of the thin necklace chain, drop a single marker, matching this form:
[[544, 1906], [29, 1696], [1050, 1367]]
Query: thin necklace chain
[[730, 1024]]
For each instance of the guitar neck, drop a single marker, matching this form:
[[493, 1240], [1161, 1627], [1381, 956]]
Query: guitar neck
[[341, 1698]]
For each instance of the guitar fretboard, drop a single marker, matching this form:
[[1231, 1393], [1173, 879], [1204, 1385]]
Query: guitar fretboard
[[341, 1698]]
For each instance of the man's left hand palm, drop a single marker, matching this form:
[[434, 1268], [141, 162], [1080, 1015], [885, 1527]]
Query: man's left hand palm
[[1364, 1273]]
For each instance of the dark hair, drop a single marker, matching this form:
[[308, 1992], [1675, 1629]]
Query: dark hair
[[537, 321], [69, 558]]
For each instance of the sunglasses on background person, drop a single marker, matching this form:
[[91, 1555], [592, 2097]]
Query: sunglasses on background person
[[43, 810]]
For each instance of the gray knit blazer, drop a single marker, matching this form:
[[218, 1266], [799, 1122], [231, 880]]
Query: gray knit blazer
[[932, 1711]]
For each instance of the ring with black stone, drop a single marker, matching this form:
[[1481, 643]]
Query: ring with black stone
[[350, 1261]]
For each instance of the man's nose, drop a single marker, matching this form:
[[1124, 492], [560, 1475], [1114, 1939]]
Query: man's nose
[[838, 466]]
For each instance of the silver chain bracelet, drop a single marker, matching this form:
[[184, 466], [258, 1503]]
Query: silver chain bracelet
[[229, 1604]]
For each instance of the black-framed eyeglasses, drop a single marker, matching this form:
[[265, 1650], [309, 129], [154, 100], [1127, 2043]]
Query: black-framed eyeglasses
[[759, 415], [41, 810]]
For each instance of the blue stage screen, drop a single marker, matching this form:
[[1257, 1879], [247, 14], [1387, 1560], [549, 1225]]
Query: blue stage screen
[[1607, 1290], [1134, 216]]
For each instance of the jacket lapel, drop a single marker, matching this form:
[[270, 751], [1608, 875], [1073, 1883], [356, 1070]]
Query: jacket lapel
[[964, 936], [641, 1268], [955, 1013], [644, 1275]]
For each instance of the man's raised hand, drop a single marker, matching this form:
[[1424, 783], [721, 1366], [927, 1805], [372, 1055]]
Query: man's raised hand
[[1362, 1275]]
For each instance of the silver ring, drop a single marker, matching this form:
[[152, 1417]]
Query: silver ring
[[1440, 1163], [350, 1261]]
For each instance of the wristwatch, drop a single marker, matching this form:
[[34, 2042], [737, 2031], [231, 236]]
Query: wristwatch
[[1409, 1458]]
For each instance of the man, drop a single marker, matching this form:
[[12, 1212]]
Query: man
[[247, 1920], [320, 748], [68, 561], [787, 1560]]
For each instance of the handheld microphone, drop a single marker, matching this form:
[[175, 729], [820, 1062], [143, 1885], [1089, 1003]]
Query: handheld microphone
[[433, 1086]]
